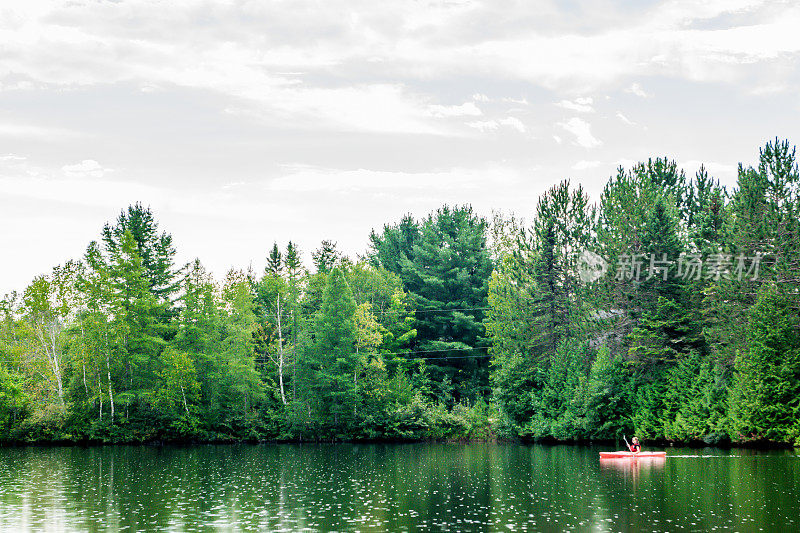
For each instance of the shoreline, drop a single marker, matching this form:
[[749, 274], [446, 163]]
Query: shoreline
[[758, 445]]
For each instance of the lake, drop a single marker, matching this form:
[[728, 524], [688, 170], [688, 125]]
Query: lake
[[394, 487]]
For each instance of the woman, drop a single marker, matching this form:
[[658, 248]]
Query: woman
[[635, 446]]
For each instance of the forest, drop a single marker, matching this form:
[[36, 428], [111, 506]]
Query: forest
[[666, 308]]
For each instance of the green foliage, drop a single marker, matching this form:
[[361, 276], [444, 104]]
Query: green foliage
[[326, 257], [155, 250], [765, 396], [274, 261], [12, 401], [335, 358], [178, 387], [436, 334], [607, 397], [444, 264]]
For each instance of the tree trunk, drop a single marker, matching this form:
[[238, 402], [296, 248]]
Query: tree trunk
[[108, 371], [110, 391], [83, 361], [294, 358], [184, 400], [280, 352], [100, 391], [50, 348]]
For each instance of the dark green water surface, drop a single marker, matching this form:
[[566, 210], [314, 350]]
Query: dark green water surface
[[394, 487]]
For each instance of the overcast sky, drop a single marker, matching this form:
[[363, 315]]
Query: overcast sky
[[246, 122]]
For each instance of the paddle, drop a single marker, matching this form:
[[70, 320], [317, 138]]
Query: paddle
[[626, 443]]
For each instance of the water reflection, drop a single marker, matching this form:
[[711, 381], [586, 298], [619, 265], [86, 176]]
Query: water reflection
[[392, 488], [631, 468]]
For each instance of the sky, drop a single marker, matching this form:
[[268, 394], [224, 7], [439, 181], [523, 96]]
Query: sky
[[243, 123]]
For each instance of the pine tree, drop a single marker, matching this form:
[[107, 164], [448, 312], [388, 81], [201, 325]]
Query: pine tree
[[96, 336], [274, 261], [139, 333], [240, 388], [445, 265], [292, 263], [326, 257], [335, 356], [607, 399], [394, 247], [200, 335], [562, 229], [178, 390], [537, 304], [156, 250], [765, 396]]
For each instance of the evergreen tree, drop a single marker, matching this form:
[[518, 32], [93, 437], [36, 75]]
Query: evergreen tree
[[139, 334], [335, 360], [537, 305], [445, 265], [607, 397], [292, 263], [178, 390], [155, 250], [765, 396], [274, 261], [561, 231], [326, 257], [199, 336], [239, 387], [394, 247]]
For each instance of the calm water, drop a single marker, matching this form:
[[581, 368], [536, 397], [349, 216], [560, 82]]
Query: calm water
[[413, 487]]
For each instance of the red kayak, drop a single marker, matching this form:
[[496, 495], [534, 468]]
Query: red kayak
[[630, 455]]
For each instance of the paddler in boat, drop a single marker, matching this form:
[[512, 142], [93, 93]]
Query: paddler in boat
[[635, 446]]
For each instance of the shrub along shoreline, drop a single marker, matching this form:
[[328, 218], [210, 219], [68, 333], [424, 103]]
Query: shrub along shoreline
[[665, 308]]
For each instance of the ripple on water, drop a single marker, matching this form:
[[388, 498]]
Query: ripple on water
[[389, 488]]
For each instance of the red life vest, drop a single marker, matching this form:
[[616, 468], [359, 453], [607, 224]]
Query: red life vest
[[636, 447]]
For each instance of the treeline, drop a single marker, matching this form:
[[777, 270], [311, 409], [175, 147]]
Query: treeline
[[123, 346], [693, 333], [668, 309]]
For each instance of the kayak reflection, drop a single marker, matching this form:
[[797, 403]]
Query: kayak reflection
[[633, 465]]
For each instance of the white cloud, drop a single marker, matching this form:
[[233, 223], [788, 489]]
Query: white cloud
[[305, 82], [715, 169], [580, 105], [493, 125], [35, 132], [305, 178], [79, 191], [582, 131], [515, 123], [484, 125], [583, 165], [625, 119], [84, 185], [378, 108], [88, 168], [636, 89], [768, 89], [262, 51], [625, 163], [467, 109]]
